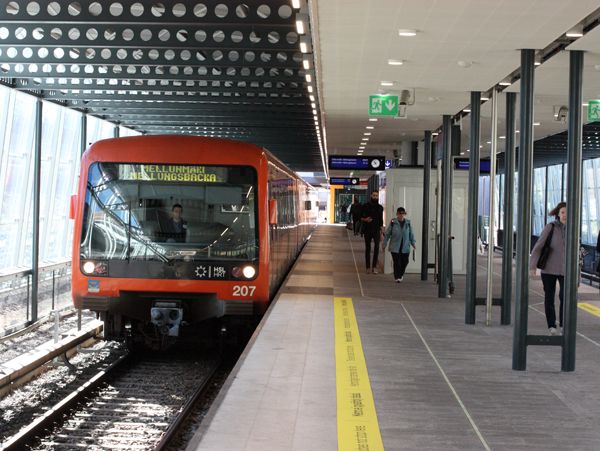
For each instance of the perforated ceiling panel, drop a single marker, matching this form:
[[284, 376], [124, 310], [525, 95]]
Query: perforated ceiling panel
[[228, 69]]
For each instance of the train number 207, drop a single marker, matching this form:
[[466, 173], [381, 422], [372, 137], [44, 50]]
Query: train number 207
[[243, 290]]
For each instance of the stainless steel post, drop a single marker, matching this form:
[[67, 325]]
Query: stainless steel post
[[492, 222], [574, 157]]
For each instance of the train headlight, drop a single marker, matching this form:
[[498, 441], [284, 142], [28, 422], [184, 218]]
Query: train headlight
[[95, 268], [249, 272], [89, 267]]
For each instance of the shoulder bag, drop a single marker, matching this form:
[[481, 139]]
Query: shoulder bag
[[545, 253]]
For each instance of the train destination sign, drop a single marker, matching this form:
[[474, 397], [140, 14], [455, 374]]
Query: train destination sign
[[356, 163], [354, 181], [171, 173], [464, 164]]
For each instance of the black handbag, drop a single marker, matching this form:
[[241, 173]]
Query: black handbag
[[545, 253]]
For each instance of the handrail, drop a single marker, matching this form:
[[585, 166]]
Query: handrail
[[27, 272]]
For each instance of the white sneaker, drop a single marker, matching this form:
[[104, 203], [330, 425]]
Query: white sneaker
[[552, 331], [400, 279], [375, 271], [397, 280]]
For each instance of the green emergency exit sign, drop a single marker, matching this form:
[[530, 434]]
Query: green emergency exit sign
[[383, 105], [594, 111]]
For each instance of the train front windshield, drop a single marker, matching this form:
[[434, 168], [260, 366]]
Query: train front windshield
[[169, 213]]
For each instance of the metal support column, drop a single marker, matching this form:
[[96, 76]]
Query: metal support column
[[471, 288], [426, 184], [524, 206], [446, 196], [116, 131], [35, 245], [83, 142], [509, 189], [574, 157]]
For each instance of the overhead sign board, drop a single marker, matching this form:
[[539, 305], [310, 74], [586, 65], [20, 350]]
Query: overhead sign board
[[383, 105], [356, 163], [354, 181], [464, 164], [593, 111], [388, 164]]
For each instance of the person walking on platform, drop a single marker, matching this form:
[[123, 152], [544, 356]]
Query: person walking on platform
[[372, 219], [355, 212], [400, 236], [548, 255]]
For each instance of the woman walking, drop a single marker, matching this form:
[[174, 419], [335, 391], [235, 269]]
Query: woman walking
[[401, 237], [548, 255]]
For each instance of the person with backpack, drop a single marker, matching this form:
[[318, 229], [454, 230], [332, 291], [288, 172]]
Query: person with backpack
[[400, 237], [549, 255]]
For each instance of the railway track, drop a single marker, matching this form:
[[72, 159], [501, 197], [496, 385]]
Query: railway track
[[136, 403]]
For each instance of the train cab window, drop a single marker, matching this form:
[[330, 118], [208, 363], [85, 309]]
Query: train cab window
[[170, 212]]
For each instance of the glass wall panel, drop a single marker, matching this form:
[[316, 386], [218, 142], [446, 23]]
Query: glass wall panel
[[538, 201], [554, 187], [98, 129]]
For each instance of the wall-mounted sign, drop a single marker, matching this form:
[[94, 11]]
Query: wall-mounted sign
[[593, 110], [353, 181], [463, 164], [354, 162], [388, 164], [383, 105]]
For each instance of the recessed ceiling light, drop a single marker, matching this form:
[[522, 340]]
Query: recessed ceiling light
[[434, 134], [312, 98], [306, 64], [369, 127], [575, 32], [404, 32], [467, 110], [484, 98], [537, 123], [300, 27], [387, 83], [309, 88], [367, 134], [395, 62], [505, 83], [303, 47], [373, 119], [501, 137], [308, 78], [296, 4]]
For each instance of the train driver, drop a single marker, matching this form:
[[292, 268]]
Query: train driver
[[176, 227]]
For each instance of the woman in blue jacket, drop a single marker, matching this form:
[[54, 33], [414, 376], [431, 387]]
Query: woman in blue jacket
[[401, 237]]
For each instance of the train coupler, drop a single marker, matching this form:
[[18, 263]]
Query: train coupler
[[167, 317]]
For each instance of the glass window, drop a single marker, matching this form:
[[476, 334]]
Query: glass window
[[169, 212], [538, 201], [98, 129]]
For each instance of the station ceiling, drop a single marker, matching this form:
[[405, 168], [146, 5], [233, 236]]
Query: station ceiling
[[214, 68], [236, 69]]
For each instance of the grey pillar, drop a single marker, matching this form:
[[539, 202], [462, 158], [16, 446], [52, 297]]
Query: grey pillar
[[83, 140], [35, 245], [471, 288], [509, 189], [426, 184], [574, 156], [446, 197], [116, 131], [524, 206]]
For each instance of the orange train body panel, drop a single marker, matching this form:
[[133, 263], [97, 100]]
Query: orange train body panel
[[184, 150]]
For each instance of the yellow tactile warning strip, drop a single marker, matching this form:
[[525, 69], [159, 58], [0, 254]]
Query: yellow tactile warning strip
[[357, 424], [589, 308]]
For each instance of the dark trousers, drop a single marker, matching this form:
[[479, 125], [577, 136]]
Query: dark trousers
[[400, 263], [375, 236], [357, 224], [549, 282]]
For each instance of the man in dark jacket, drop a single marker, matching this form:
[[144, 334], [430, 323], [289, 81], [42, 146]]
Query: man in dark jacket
[[372, 219], [356, 212]]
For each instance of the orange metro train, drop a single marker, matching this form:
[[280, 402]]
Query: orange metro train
[[174, 230]]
